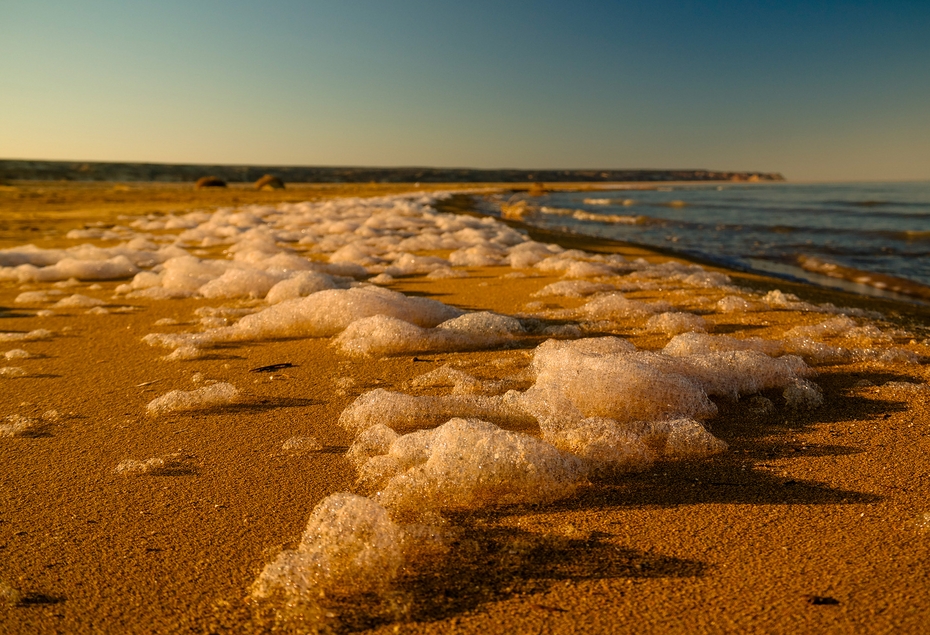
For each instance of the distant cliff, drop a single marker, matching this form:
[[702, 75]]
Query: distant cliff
[[12, 170]]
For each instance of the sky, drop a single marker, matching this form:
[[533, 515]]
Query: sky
[[815, 90]]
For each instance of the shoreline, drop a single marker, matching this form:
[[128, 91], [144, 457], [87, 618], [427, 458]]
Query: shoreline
[[812, 520], [836, 294], [807, 269]]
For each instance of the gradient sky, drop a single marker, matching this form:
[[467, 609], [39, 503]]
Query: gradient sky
[[815, 90]]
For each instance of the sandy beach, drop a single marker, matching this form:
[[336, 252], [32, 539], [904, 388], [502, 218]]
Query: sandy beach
[[119, 517]]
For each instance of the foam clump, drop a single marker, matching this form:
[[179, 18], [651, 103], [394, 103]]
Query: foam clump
[[238, 282], [803, 395], [380, 334], [17, 353], [734, 304], [574, 289], [32, 336], [672, 323], [575, 381], [398, 411], [35, 297], [9, 594], [684, 439], [830, 328], [708, 280], [589, 378], [604, 445], [69, 267], [734, 373], [302, 444], [778, 299], [135, 467], [701, 343], [78, 301], [350, 546], [301, 285], [184, 353], [17, 426], [446, 273], [326, 313], [12, 371], [372, 441], [181, 401], [470, 464], [616, 305]]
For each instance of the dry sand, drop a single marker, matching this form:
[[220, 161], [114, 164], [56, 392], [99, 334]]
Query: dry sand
[[811, 522]]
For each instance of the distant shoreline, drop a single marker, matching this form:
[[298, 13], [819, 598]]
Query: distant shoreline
[[28, 170]]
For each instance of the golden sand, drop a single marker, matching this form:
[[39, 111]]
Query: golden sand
[[811, 522]]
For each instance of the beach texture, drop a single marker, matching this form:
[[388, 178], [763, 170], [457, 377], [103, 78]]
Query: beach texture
[[637, 443]]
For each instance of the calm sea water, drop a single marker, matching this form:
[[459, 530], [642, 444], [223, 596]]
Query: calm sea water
[[863, 227]]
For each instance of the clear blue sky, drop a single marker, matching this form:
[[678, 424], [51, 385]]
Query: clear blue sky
[[817, 90]]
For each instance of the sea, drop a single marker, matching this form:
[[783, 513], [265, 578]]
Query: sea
[[869, 238]]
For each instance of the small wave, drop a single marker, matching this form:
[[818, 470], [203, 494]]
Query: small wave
[[609, 201], [870, 278], [618, 219]]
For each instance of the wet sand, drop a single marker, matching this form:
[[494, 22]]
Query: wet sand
[[810, 522]]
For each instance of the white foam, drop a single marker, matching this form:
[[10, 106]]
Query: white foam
[[673, 323], [572, 385], [407, 412], [701, 343], [372, 441], [587, 378], [446, 273], [301, 444], [240, 283], [528, 253], [301, 285], [17, 353], [573, 289], [830, 328], [185, 352], [381, 334], [683, 439], [12, 371], [17, 426], [181, 401], [77, 301], [734, 304], [136, 467], [604, 445], [470, 464], [32, 336], [9, 594], [803, 395], [616, 305], [350, 546], [36, 297]]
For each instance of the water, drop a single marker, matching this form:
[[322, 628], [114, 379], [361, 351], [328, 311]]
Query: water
[[782, 228]]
